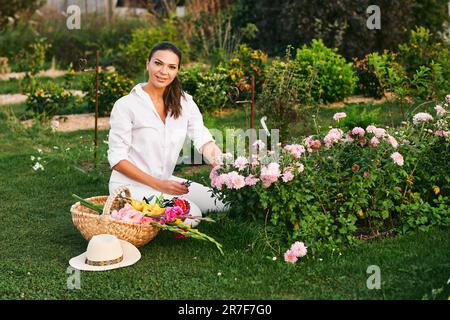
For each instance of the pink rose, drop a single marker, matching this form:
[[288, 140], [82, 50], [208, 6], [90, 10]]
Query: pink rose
[[290, 256]]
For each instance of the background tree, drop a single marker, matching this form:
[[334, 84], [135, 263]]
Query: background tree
[[17, 8]]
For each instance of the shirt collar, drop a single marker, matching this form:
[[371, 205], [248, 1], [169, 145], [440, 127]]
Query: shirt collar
[[137, 89]]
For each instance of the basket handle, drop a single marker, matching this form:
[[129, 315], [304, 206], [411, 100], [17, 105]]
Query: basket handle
[[112, 197]]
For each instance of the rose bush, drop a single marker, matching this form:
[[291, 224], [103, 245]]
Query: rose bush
[[332, 189]]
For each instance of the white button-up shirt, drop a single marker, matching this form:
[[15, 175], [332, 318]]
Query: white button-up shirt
[[138, 135]]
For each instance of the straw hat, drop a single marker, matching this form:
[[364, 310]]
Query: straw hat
[[106, 252]]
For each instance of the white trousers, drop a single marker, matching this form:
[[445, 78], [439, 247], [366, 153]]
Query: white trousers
[[199, 197]]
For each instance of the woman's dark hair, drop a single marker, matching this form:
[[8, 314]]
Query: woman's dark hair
[[173, 92]]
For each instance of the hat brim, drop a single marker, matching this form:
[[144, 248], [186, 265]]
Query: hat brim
[[131, 255]]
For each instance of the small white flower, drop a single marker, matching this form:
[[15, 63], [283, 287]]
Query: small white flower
[[320, 259], [38, 158], [37, 166], [274, 258], [219, 273], [67, 149], [39, 151], [55, 147], [235, 279], [32, 158]]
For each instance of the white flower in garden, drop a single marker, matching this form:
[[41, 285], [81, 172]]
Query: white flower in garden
[[39, 151], [422, 117], [439, 110], [32, 158], [37, 166], [240, 163], [340, 115], [397, 158]]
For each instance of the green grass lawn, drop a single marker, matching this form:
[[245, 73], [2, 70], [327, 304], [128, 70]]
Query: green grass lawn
[[38, 239]]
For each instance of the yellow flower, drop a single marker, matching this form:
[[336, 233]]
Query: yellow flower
[[436, 189], [178, 221], [152, 209], [296, 226], [138, 205], [360, 213]]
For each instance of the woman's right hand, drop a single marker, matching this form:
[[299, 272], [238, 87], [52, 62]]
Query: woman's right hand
[[172, 187]]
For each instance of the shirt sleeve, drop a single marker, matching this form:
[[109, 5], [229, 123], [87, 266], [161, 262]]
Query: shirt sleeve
[[196, 130], [119, 140]]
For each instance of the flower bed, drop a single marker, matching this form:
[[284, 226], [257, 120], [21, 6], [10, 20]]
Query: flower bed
[[332, 189]]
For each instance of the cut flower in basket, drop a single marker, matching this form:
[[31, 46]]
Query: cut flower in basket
[[167, 214]]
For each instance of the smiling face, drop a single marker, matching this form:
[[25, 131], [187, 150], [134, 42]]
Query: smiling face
[[162, 68]]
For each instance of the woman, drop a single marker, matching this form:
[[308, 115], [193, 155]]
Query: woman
[[148, 130]]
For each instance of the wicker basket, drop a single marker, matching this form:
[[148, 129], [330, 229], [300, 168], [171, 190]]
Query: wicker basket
[[90, 223]]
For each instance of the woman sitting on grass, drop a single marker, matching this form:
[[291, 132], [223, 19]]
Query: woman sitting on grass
[[148, 130]]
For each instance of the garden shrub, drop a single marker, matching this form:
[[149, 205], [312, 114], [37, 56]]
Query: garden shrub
[[334, 78], [209, 87], [112, 86], [48, 100], [132, 57], [421, 50], [285, 97], [243, 64], [378, 73], [426, 63], [329, 190]]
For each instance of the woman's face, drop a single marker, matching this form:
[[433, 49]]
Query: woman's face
[[162, 68]]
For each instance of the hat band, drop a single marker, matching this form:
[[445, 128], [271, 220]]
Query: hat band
[[103, 263]]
